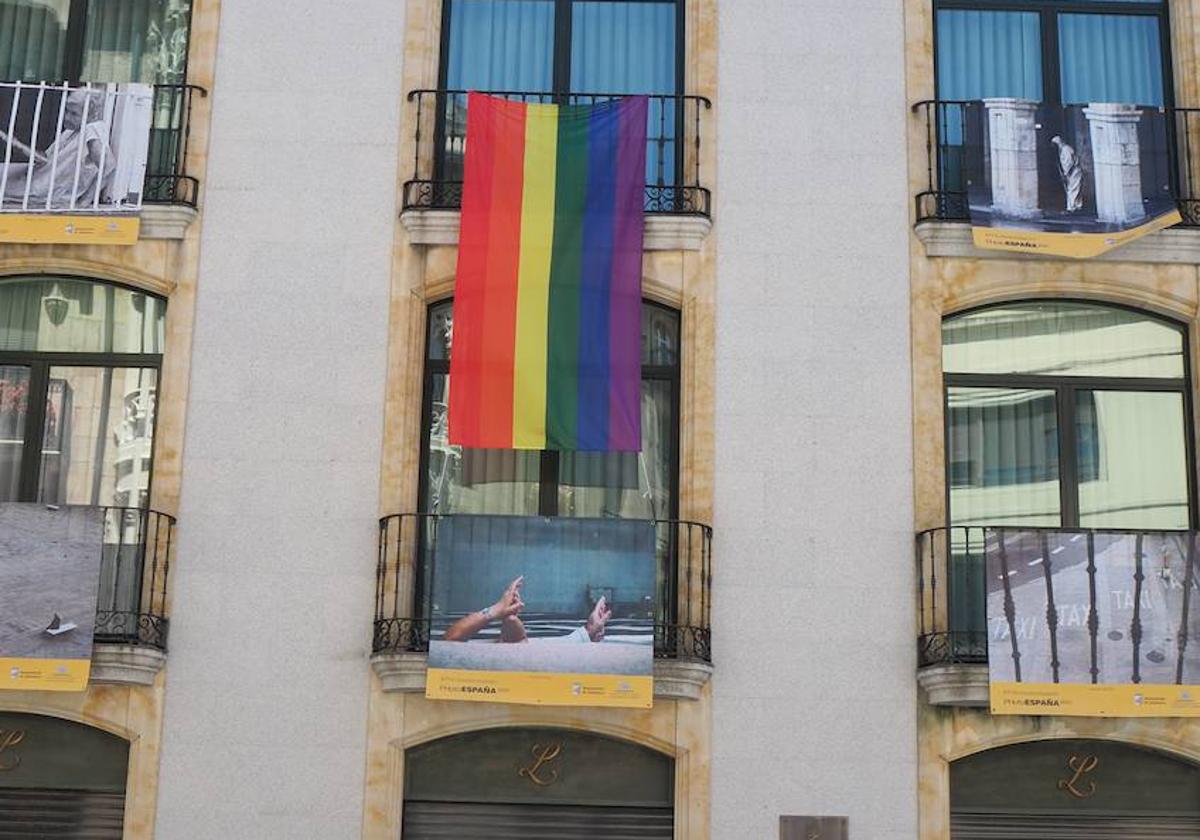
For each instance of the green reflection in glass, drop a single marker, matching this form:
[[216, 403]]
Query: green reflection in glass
[[1131, 460], [1054, 338], [1003, 457], [61, 315]]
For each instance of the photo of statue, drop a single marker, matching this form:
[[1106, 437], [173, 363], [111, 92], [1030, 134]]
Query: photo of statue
[[1071, 173]]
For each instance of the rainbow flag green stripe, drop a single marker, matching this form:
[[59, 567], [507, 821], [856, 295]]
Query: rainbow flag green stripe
[[547, 309]]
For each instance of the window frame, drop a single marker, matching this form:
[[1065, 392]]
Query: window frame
[[548, 471], [75, 43], [1048, 12], [1065, 390], [39, 364]]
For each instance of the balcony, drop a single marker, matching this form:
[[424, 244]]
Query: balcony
[[131, 610], [403, 606], [1080, 605], [942, 209], [170, 191], [678, 206]]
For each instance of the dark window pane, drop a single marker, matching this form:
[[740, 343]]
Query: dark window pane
[[136, 41], [14, 406], [32, 35], [1004, 457]]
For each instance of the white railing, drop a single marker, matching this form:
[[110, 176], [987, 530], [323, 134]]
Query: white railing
[[73, 148]]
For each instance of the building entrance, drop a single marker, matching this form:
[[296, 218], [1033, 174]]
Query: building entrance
[[60, 779], [512, 784], [1074, 790]]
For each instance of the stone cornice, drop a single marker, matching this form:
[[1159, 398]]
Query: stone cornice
[[126, 665], [663, 232], [955, 685]]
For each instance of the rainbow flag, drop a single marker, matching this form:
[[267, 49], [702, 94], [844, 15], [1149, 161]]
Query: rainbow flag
[[547, 296]]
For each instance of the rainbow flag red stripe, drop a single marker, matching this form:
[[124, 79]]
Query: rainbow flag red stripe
[[547, 296]]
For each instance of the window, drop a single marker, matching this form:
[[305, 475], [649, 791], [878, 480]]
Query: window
[[94, 40], [1059, 52], [1054, 51], [637, 485], [1066, 414], [79, 367], [547, 49]]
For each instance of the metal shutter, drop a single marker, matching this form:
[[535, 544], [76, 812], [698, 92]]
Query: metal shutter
[[994, 826], [43, 814], [455, 821]]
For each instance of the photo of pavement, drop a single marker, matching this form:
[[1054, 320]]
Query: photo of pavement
[[1164, 615], [49, 565]]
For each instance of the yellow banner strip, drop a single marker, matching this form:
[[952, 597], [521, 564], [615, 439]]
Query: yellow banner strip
[[543, 689]]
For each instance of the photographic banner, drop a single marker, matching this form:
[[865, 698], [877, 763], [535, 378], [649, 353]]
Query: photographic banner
[[49, 579], [74, 162], [554, 611], [1093, 624], [1071, 181]]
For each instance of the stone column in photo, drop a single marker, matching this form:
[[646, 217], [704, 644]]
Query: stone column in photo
[[1012, 136], [1116, 156]]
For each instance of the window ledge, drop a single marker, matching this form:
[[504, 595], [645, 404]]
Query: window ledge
[[126, 664], [664, 232], [1173, 245], [955, 685], [166, 221], [674, 679]]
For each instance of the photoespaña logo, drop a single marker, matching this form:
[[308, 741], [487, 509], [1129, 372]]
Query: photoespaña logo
[[15, 673]]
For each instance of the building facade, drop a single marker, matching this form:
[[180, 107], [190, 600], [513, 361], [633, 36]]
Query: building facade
[[840, 394]]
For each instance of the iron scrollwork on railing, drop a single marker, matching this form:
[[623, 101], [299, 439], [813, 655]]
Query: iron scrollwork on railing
[[407, 544], [673, 148], [944, 197], [1066, 605], [134, 564], [167, 178]]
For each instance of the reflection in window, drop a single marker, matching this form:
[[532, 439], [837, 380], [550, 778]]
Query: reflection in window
[[1029, 384], [92, 438], [1055, 338], [120, 40]]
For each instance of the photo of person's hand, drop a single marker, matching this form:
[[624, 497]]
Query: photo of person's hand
[[510, 603], [598, 620]]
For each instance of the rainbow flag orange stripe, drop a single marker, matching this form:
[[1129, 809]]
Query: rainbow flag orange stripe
[[547, 296]]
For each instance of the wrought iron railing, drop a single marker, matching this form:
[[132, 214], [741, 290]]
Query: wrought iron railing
[[945, 195], [403, 608], [134, 562], [673, 152], [954, 583], [167, 178]]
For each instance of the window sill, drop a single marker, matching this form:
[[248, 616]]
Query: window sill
[[955, 685], [674, 679], [664, 232], [1178, 245], [126, 664]]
